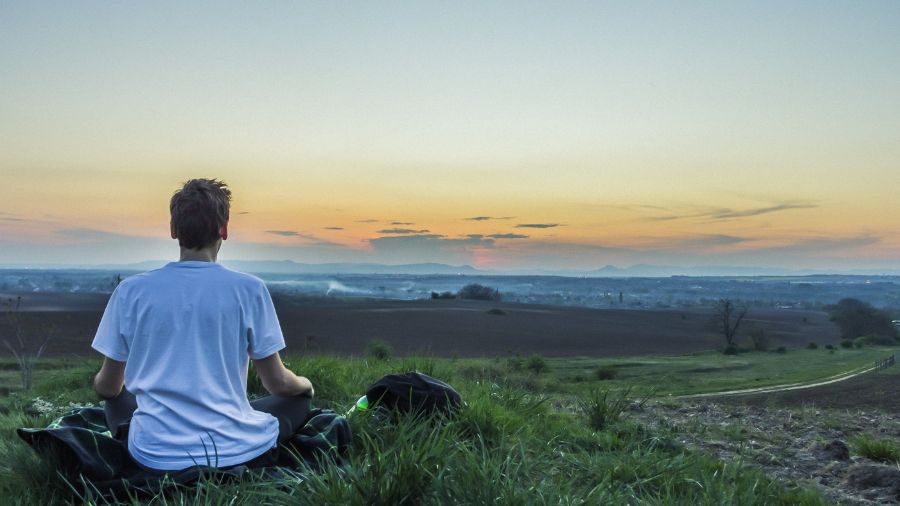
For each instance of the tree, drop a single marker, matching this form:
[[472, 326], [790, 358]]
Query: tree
[[855, 318], [478, 292], [728, 318], [25, 356]]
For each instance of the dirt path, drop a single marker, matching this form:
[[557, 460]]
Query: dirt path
[[785, 387]]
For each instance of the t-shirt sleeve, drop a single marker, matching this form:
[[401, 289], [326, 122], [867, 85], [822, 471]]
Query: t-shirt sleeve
[[109, 339], [264, 335]]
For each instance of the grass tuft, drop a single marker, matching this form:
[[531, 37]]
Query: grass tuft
[[880, 450]]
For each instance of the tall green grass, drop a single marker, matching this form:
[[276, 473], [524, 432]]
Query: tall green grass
[[507, 445]]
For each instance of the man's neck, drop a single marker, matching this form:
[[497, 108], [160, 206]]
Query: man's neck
[[208, 254]]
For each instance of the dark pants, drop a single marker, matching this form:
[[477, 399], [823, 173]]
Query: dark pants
[[291, 413]]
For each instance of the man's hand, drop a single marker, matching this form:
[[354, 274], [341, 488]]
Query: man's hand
[[109, 381]]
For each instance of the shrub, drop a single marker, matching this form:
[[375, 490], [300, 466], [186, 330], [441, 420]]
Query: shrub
[[730, 350], [515, 364], [859, 342], [760, 340], [604, 373], [604, 406], [829, 347], [876, 449], [380, 350], [812, 346], [474, 291], [879, 340], [846, 343], [495, 311], [536, 364], [781, 349], [856, 318], [443, 295]]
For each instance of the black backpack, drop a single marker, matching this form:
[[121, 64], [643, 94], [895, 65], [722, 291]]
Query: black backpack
[[412, 391]]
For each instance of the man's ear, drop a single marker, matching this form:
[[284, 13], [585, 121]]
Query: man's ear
[[172, 230], [223, 231]]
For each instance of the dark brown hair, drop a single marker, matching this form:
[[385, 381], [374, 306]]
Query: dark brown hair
[[198, 209]]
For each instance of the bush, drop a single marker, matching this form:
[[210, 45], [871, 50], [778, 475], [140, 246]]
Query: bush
[[515, 364], [380, 350], [760, 340], [856, 318], [876, 449], [846, 343], [879, 340], [730, 350], [474, 291], [604, 406], [443, 295], [829, 347], [536, 364], [812, 346], [781, 349], [859, 342], [604, 373]]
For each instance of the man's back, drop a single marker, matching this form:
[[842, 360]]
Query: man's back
[[187, 332]]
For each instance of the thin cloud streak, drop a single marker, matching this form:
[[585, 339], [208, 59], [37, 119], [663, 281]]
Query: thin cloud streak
[[485, 218], [538, 225], [403, 231], [725, 213]]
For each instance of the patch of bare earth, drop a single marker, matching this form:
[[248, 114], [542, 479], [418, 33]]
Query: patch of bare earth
[[808, 445]]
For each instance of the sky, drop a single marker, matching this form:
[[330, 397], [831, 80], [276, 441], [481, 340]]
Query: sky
[[502, 135]]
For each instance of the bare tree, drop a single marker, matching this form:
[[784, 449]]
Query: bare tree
[[25, 356], [728, 318]]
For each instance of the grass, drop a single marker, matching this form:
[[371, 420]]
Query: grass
[[709, 371], [510, 444], [880, 450]]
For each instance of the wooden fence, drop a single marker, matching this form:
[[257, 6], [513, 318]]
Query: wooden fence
[[885, 362]]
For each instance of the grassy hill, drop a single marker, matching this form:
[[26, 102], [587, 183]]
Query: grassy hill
[[525, 436]]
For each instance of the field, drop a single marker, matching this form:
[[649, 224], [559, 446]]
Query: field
[[463, 328], [564, 406]]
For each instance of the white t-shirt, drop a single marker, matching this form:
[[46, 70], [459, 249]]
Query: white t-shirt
[[187, 332]]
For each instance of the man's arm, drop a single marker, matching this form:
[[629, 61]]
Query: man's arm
[[279, 380], [111, 378]]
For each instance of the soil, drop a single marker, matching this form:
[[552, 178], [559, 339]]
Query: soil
[[808, 445], [458, 328], [871, 390]]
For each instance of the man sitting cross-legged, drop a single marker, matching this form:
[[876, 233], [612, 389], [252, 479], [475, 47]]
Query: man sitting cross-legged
[[177, 342]]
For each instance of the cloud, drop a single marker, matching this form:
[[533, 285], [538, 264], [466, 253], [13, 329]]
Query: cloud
[[485, 218], [403, 231], [299, 235], [284, 233], [403, 223], [508, 236], [334, 228], [726, 213], [244, 212], [367, 221], [708, 241], [538, 225]]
